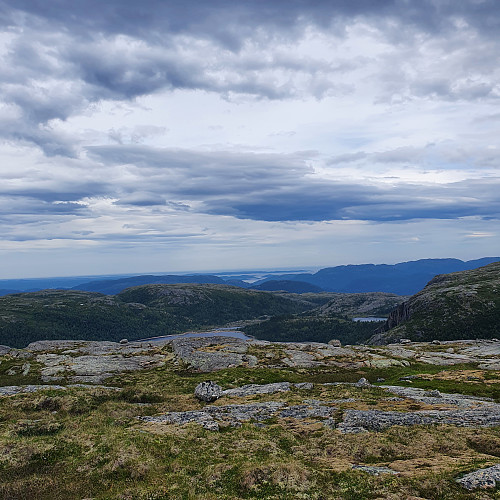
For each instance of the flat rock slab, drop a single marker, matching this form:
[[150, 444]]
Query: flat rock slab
[[484, 348], [482, 478], [95, 348], [251, 389], [377, 420], [230, 352], [12, 390], [94, 368], [428, 397], [373, 470], [211, 417]]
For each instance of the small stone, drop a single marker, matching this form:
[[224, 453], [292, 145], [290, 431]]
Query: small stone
[[436, 342], [335, 343], [380, 379], [404, 341], [208, 391], [124, 341], [362, 382]]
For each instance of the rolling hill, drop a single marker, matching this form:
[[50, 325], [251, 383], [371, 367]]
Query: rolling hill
[[462, 305], [138, 312]]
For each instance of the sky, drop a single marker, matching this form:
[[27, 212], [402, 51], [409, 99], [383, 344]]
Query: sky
[[166, 136]]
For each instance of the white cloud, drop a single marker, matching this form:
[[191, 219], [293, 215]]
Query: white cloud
[[177, 135]]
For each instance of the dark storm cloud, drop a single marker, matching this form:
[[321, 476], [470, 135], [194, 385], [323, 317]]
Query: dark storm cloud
[[17, 209], [218, 18], [54, 190], [282, 188], [196, 173], [337, 201]]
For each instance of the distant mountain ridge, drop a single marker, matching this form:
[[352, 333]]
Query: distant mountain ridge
[[405, 278], [287, 286]]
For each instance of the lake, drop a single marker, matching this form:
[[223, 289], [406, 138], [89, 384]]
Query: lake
[[220, 332], [369, 318]]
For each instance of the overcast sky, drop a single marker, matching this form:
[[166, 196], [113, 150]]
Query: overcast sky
[[161, 136]]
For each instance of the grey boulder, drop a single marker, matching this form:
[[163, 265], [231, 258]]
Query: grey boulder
[[208, 391]]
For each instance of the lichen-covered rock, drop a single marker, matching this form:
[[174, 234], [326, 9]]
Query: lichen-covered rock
[[211, 417], [374, 470], [94, 368], [208, 391], [363, 382], [304, 385], [12, 390], [377, 420], [196, 352], [335, 343], [482, 478], [251, 389], [440, 398], [5, 349]]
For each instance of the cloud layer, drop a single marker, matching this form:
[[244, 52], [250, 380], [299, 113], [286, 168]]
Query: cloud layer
[[126, 123]]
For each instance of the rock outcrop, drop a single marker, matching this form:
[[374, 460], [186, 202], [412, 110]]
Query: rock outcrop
[[482, 478], [377, 420], [459, 305], [199, 354], [213, 417]]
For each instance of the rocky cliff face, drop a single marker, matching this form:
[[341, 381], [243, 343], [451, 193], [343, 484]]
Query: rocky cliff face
[[457, 305]]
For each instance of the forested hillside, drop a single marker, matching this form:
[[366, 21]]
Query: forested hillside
[[139, 312]]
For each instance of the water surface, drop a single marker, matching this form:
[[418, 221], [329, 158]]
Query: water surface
[[220, 332]]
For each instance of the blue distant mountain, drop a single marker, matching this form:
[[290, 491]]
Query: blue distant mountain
[[287, 286], [405, 278], [6, 291]]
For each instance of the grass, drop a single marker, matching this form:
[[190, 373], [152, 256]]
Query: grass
[[11, 372], [87, 443], [480, 388]]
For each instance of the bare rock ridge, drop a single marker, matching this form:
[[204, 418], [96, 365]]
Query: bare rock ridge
[[92, 362]]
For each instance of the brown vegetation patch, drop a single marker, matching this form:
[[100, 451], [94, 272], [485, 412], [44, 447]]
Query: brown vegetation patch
[[467, 376]]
